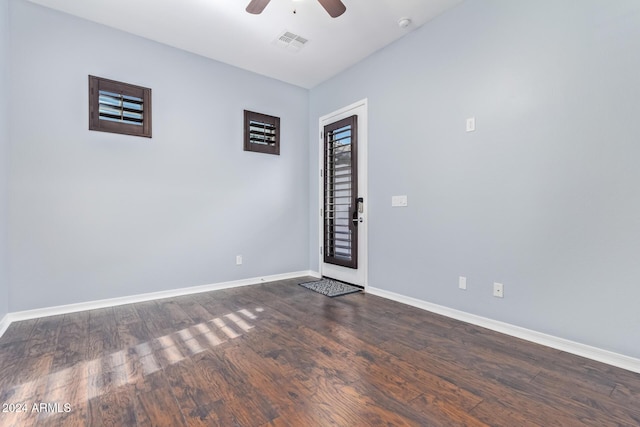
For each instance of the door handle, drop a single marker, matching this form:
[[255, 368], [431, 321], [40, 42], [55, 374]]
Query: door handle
[[359, 210]]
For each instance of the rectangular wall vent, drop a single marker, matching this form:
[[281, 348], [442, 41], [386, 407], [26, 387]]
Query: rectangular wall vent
[[290, 41]]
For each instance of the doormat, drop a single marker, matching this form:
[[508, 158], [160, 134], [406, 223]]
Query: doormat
[[330, 287]]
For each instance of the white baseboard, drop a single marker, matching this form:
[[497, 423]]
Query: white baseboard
[[593, 353], [4, 324], [112, 302]]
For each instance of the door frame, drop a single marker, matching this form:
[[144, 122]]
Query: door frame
[[361, 109]]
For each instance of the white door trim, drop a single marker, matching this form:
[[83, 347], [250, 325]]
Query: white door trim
[[362, 106]]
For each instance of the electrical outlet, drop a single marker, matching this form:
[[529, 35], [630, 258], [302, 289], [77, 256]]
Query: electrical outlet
[[238, 259], [462, 282], [498, 290]]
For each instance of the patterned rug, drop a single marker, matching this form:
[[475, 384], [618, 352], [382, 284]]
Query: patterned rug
[[330, 287]]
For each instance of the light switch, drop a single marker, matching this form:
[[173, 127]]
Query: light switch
[[471, 124], [399, 201]]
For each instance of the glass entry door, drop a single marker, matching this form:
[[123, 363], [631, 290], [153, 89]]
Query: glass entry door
[[342, 208]]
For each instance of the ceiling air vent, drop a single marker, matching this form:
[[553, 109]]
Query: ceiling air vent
[[290, 41]]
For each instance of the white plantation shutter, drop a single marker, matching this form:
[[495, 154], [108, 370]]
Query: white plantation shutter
[[120, 108]]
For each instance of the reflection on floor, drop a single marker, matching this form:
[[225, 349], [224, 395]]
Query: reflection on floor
[[278, 354]]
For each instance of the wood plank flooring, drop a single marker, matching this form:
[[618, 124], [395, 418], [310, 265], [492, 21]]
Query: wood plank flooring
[[277, 354]]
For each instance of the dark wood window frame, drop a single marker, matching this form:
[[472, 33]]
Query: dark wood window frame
[[134, 107], [261, 133]]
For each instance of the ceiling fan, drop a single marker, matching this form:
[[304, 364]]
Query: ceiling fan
[[334, 8]]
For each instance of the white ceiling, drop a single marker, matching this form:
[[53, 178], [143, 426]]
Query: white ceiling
[[224, 31]]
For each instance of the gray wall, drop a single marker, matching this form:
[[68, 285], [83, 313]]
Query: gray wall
[[4, 147], [544, 196], [96, 215]]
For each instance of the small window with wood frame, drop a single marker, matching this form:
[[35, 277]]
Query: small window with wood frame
[[261, 133], [118, 107]]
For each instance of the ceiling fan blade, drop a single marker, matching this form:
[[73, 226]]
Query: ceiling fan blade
[[257, 6], [334, 8]]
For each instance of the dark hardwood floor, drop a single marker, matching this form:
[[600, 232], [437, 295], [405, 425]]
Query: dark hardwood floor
[[277, 354]]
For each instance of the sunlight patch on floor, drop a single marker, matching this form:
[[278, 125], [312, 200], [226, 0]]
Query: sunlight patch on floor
[[132, 364]]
